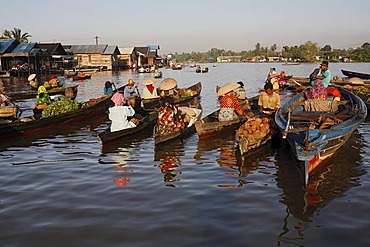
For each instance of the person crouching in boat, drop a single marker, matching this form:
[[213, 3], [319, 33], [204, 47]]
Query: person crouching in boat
[[42, 101], [169, 118], [230, 108], [53, 81], [119, 113], [131, 92]]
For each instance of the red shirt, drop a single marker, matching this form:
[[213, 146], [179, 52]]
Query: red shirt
[[231, 101]]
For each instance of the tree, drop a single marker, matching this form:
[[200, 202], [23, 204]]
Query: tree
[[16, 34], [326, 48], [308, 51]]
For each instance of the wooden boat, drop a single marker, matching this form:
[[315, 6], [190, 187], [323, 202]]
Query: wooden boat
[[78, 77], [210, 126], [158, 74], [95, 109], [291, 64], [363, 76], [305, 81], [155, 103], [251, 141], [181, 133], [201, 70], [33, 93], [314, 136], [147, 125]]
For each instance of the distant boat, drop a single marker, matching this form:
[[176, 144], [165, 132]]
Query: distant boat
[[363, 76], [291, 63]]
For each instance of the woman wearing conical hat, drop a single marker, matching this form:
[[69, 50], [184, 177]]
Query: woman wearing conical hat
[[149, 92], [230, 108]]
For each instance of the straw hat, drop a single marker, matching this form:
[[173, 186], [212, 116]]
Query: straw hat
[[227, 88], [168, 84], [31, 77], [149, 81], [356, 81], [130, 82], [187, 110]]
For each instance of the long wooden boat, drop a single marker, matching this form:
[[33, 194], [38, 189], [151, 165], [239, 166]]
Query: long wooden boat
[[153, 104], [314, 136], [78, 77], [248, 142], [147, 125], [360, 75], [182, 133], [25, 126], [210, 126], [201, 70], [305, 81], [33, 93]]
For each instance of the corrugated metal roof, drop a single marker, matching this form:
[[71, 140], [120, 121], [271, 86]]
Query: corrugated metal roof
[[88, 49], [5, 44], [23, 48], [110, 50], [126, 50], [153, 47], [142, 50], [54, 48]]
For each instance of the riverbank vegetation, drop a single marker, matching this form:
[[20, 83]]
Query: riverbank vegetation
[[307, 52]]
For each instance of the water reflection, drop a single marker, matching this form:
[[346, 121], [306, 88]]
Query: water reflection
[[333, 181], [169, 157]]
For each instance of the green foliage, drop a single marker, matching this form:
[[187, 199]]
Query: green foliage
[[304, 52], [61, 106], [16, 34]]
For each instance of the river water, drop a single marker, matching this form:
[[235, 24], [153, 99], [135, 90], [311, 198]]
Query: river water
[[62, 188]]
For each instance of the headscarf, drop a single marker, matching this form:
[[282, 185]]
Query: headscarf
[[41, 89], [118, 99]]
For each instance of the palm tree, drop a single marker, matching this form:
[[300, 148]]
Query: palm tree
[[16, 34]]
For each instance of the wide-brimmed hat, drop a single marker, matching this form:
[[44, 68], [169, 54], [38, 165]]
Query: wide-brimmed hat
[[356, 81], [227, 88], [149, 81], [325, 63], [31, 77], [130, 82], [168, 84]]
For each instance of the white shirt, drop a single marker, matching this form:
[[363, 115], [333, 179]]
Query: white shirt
[[118, 115], [148, 95]]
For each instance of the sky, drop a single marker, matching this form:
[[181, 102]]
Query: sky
[[192, 25]]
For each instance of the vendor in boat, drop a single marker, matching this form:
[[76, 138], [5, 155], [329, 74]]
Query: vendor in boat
[[149, 92], [168, 87], [169, 118], [230, 108], [240, 91], [53, 81], [131, 92], [108, 90], [120, 112], [268, 101], [282, 79], [272, 77], [42, 101], [323, 73], [33, 81]]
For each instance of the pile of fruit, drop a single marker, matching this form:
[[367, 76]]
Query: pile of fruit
[[62, 106], [362, 90], [254, 126]]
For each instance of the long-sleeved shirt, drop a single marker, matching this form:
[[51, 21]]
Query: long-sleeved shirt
[[118, 115]]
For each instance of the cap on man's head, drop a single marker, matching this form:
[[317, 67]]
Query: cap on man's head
[[325, 63], [130, 82]]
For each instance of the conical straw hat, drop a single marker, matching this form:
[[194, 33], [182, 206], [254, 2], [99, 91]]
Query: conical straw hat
[[227, 88], [149, 81], [168, 84], [31, 77], [356, 80]]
